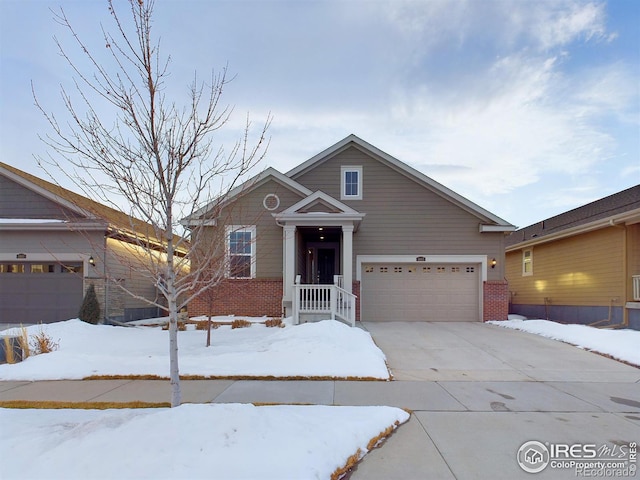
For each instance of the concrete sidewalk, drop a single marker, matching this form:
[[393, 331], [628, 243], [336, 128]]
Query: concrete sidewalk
[[477, 392]]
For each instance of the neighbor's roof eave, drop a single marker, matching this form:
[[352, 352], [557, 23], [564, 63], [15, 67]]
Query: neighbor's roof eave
[[612, 221], [26, 180]]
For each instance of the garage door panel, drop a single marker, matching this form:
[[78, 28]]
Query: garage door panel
[[401, 292], [35, 298]]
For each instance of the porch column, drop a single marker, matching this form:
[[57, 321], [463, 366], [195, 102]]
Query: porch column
[[347, 257], [289, 234]]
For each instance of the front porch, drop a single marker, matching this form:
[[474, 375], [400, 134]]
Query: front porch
[[318, 259], [316, 302]]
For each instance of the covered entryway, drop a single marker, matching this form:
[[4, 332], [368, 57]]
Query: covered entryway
[[40, 292], [318, 243], [418, 292]]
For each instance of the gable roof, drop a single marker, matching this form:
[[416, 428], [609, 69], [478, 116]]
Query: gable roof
[[288, 180], [406, 170], [620, 207], [336, 212], [270, 173], [83, 206], [319, 197]]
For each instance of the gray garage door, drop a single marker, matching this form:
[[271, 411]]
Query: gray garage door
[[414, 293], [39, 293]]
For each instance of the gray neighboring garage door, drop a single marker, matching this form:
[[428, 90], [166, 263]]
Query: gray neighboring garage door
[[420, 293], [39, 293]]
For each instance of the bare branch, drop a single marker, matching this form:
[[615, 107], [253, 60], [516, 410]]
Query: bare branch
[[126, 145]]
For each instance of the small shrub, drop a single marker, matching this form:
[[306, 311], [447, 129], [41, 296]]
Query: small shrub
[[274, 322], [90, 308], [240, 323], [182, 326], [43, 343]]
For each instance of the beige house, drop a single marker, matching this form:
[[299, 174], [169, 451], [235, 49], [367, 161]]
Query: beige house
[[54, 243], [582, 266], [355, 233]]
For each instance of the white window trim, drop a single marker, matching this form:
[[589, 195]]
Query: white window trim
[[525, 273], [240, 228], [343, 172]]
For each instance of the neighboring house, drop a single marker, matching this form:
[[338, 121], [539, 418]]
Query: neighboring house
[[582, 266], [54, 243], [355, 220]]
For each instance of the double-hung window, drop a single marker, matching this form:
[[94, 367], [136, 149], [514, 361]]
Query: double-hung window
[[241, 251], [351, 184], [527, 262]]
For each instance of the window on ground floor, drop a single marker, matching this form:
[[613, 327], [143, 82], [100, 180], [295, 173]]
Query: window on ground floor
[[241, 248]]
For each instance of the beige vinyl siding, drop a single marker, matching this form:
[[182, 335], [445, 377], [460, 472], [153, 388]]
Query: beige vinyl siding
[[582, 270], [402, 216], [50, 242], [129, 265], [249, 210], [633, 257]]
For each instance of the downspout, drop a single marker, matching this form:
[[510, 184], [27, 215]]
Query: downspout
[[104, 279], [625, 312]]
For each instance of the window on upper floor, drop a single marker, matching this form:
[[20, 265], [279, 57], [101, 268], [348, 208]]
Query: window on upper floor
[[351, 183], [241, 251], [527, 262]]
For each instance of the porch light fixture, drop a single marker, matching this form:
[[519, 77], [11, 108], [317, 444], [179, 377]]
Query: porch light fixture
[[494, 262], [320, 229], [92, 262], [321, 238]]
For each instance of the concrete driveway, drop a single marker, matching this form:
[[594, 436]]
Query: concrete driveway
[[488, 390], [478, 392]]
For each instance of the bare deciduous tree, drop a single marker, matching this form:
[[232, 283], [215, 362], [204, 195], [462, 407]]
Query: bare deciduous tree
[[155, 154]]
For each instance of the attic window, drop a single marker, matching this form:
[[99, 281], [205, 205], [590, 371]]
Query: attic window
[[351, 183]]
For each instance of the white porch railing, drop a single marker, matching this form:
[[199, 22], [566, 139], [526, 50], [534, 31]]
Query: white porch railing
[[324, 299], [636, 287]]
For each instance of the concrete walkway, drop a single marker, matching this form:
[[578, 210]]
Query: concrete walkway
[[477, 392]]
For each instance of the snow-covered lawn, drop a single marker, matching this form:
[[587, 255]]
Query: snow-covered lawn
[[225, 441], [322, 349], [620, 344], [220, 441]]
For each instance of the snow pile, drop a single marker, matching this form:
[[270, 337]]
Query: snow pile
[[620, 344], [322, 349], [230, 441]]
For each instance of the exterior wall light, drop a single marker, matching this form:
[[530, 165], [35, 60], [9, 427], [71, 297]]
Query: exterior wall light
[[92, 261], [494, 262]]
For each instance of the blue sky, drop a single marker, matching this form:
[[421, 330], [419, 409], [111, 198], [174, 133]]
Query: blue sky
[[528, 108]]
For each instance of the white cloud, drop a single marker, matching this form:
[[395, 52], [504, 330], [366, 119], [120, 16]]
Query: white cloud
[[563, 199], [631, 171], [547, 24], [518, 122], [559, 23]]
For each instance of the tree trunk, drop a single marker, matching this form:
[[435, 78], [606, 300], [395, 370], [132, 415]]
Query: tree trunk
[[176, 394]]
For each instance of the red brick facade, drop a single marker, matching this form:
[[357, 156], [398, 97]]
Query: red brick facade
[[256, 297], [496, 300], [356, 291], [249, 297]]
